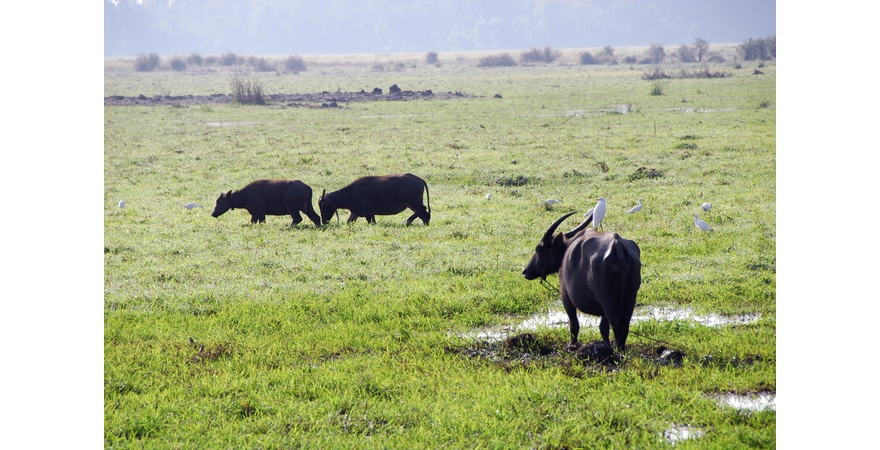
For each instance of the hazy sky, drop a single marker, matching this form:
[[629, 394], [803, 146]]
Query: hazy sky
[[275, 27]]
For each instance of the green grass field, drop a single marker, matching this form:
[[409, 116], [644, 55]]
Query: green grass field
[[362, 336]]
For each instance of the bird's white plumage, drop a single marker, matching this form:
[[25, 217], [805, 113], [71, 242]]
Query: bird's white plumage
[[192, 205], [636, 208], [122, 203], [700, 224], [599, 213], [589, 212], [706, 206], [488, 196]]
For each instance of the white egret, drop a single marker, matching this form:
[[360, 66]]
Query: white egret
[[599, 213], [122, 203], [550, 202], [488, 196], [700, 224], [636, 208], [706, 206], [192, 205], [589, 212]]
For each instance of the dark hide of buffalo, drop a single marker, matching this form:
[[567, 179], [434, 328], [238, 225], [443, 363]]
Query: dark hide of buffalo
[[378, 196], [270, 197], [599, 274]]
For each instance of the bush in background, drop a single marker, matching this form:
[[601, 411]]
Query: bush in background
[[545, 55], [758, 49], [228, 59], [261, 64], [587, 58], [195, 58], [431, 57], [501, 60], [146, 63], [701, 47], [178, 63], [295, 64]]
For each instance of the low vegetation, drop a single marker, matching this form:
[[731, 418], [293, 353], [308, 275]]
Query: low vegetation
[[222, 333], [247, 90], [502, 60], [534, 55]]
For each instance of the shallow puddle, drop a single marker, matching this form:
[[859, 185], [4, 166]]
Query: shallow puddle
[[555, 317], [677, 433], [748, 402]]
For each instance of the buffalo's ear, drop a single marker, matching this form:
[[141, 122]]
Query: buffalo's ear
[[558, 240]]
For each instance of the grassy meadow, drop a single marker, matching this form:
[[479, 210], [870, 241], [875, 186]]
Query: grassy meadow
[[219, 333]]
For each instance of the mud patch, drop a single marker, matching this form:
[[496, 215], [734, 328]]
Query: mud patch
[[320, 100]]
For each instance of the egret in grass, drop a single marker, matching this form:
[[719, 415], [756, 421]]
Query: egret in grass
[[192, 205], [700, 224], [122, 203], [599, 213], [488, 196], [636, 208], [550, 202], [706, 206]]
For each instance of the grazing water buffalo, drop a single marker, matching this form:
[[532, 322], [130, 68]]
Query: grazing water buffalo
[[270, 197], [599, 274], [378, 196]]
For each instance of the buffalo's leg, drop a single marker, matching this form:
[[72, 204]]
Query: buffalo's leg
[[574, 326], [312, 215], [297, 218], [603, 330], [621, 331], [352, 217], [420, 214]]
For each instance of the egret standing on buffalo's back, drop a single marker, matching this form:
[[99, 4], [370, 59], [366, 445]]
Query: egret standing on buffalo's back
[[599, 213]]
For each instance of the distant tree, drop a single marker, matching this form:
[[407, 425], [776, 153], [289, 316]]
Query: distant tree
[[295, 64], [146, 63], [701, 47], [587, 58], [431, 57], [606, 55], [758, 49]]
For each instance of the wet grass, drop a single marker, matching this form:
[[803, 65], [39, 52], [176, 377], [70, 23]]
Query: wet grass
[[219, 333]]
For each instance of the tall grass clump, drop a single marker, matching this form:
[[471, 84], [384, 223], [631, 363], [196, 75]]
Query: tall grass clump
[[145, 62], [657, 87], [501, 60], [534, 55], [295, 64], [247, 91]]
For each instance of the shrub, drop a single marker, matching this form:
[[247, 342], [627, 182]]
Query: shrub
[[587, 58], [758, 49], [497, 61], [261, 64], [295, 64], [195, 58], [714, 58], [228, 59], [629, 59], [546, 55], [146, 63], [654, 55], [178, 63], [606, 55], [657, 87], [431, 57], [247, 91], [684, 54]]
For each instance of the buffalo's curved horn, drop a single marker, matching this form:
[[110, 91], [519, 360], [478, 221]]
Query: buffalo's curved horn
[[579, 227], [548, 235]]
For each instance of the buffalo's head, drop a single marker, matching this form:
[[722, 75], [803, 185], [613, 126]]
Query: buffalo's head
[[550, 251], [224, 203], [327, 207]]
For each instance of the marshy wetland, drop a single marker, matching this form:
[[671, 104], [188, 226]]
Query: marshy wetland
[[223, 333]]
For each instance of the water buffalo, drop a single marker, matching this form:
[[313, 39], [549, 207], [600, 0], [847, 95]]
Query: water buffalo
[[378, 195], [599, 274], [270, 197]]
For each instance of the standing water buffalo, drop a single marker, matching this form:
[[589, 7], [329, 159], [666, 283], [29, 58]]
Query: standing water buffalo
[[599, 274], [378, 196], [270, 197]]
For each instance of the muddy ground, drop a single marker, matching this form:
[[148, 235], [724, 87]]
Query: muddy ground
[[320, 100]]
